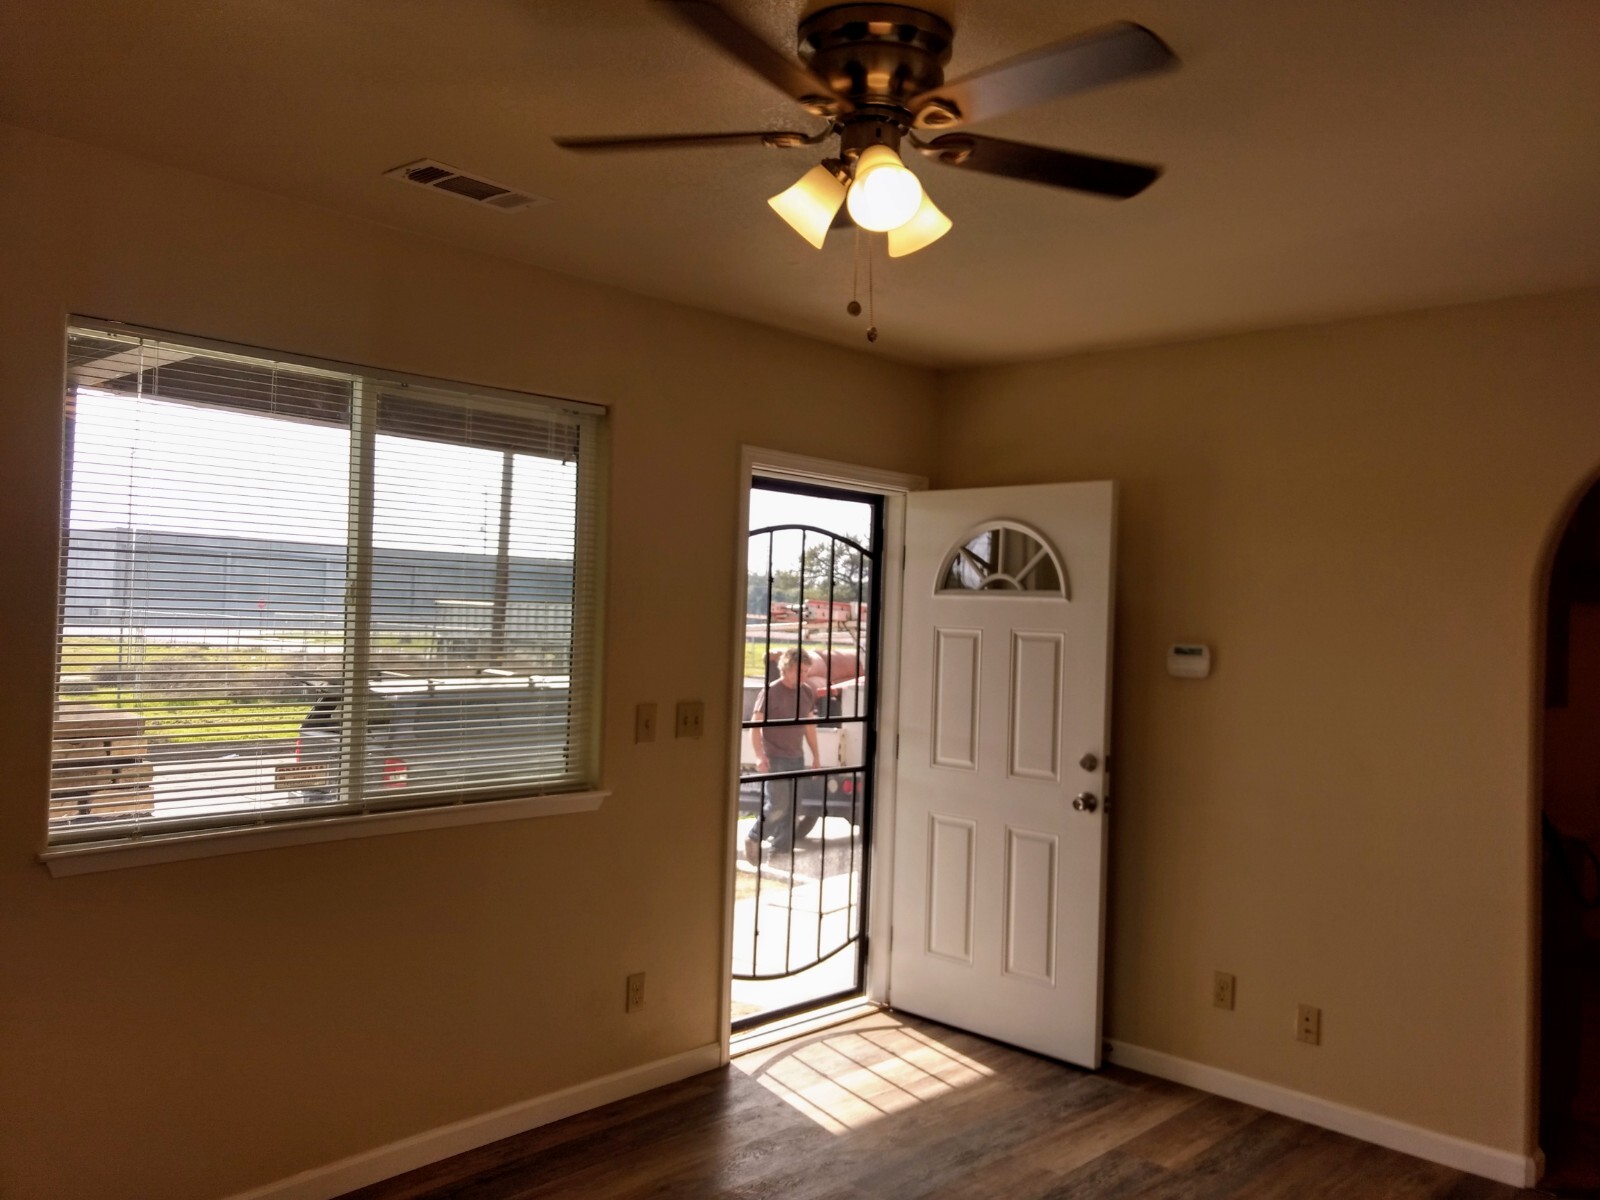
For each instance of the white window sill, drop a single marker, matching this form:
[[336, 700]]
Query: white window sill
[[158, 848]]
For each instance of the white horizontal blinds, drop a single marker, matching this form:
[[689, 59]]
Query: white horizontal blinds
[[478, 618], [202, 578], [220, 553]]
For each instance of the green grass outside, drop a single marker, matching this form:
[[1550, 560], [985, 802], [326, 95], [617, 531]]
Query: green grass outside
[[190, 693], [197, 719], [193, 710]]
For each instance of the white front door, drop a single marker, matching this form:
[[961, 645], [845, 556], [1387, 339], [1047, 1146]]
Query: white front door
[[1000, 827]]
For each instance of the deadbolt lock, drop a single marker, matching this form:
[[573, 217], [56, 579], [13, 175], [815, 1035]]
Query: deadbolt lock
[[1088, 762]]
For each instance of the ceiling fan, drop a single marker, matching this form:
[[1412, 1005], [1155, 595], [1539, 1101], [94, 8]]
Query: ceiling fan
[[876, 73]]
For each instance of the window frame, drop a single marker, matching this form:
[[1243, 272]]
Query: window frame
[[81, 850]]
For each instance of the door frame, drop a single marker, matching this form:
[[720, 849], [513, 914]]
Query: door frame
[[755, 463]]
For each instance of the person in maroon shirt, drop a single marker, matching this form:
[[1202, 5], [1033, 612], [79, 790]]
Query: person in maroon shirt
[[778, 748]]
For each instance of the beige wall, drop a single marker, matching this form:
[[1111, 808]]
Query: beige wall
[[195, 1028], [1354, 516]]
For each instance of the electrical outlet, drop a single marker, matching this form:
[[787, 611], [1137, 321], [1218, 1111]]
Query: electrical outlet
[[635, 992], [1222, 990], [691, 718], [1308, 1025], [644, 723]]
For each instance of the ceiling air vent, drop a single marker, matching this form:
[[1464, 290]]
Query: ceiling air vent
[[435, 175]]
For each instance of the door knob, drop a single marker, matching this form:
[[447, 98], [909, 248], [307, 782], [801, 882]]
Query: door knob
[[1085, 802]]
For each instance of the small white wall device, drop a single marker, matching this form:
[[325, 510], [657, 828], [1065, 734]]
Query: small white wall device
[[1189, 660]]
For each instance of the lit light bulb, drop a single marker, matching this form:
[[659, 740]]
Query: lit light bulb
[[884, 195]]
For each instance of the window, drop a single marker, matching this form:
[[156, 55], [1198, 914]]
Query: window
[[292, 590], [1004, 557]]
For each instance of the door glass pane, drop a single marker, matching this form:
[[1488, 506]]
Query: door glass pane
[[1004, 558]]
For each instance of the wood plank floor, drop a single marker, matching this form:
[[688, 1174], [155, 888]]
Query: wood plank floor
[[890, 1107]]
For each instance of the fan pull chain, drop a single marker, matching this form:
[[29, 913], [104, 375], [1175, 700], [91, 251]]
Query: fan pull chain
[[854, 307], [872, 319]]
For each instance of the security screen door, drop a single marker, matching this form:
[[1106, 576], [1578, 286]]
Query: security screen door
[[1000, 828], [804, 827]]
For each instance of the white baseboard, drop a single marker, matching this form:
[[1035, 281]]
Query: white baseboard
[[1519, 1170], [334, 1179]]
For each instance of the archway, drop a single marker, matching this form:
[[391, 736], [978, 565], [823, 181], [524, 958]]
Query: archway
[[1569, 1091]]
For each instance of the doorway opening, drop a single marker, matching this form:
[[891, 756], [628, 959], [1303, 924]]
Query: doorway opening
[[1569, 1099], [808, 745]]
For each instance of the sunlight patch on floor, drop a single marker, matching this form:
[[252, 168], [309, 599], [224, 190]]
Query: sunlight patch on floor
[[851, 1076]]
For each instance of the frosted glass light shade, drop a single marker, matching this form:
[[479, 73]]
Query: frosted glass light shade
[[809, 206], [884, 195], [927, 227]]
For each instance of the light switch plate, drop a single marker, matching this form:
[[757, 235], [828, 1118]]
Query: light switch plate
[[691, 718]]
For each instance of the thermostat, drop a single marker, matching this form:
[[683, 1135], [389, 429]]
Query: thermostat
[[1189, 660]]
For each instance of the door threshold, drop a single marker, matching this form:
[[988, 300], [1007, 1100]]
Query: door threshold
[[801, 1024]]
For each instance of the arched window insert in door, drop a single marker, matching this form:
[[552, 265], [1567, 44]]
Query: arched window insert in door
[[1004, 556]]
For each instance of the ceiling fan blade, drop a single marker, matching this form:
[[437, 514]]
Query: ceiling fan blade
[[780, 138], [1039, 164], [744, 45], [1119, 51]]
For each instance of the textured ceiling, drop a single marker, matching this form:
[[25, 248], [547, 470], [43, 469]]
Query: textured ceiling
[[1322, 159]]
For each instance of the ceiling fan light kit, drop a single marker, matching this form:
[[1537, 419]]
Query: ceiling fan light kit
[[926, 226], [811, 203], [875, 72]]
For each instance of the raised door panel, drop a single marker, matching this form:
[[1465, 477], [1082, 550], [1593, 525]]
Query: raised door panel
[[957, 658], [952, 847], [1035, 712], [1030, 905]]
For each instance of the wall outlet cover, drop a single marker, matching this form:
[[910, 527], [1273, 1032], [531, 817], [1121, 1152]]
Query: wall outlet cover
[[635, 1000], [1308, 1025], [1222, 990]]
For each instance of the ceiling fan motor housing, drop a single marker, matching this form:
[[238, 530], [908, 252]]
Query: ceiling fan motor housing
[[877, 56]]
